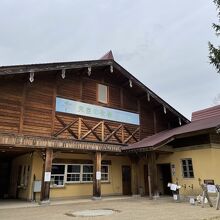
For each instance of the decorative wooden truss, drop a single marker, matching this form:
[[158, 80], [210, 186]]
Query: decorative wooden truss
[[94, 130]]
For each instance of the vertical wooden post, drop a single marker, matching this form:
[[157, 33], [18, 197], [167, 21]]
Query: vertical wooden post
[[22, 107], [45, 186], [97, 176], [152, 174], [218, 197], [155, 122], [122, 134], [54, 106], [79, 128], [103, 131], [121, 98]]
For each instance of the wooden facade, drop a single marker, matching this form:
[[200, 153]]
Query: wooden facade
[[29, 108], [29, 120]]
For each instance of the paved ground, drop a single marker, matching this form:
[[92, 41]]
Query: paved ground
[[129, 208]]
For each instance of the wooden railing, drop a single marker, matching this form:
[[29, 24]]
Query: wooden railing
[[93, 130]]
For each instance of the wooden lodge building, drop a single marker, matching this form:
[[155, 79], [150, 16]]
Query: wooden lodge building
[[90, 128]]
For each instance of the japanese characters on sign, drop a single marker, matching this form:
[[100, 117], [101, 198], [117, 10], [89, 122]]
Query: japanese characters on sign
[[95, 111]]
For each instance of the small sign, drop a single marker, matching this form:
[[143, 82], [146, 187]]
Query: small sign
[[175, 197], [47, 176], [192, 201], [98, 175], [37, 186], [211, 188]]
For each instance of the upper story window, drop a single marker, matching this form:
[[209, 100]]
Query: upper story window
[[187, 168], [103, 93]]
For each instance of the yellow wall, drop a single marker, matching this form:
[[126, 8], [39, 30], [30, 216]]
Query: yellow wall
[[114, 187], [206, 161]]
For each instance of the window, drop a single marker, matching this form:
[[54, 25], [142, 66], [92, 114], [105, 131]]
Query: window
[[187, 168], [105, 173], [102, 93], [57, 175], [73, 173], [87, 174]]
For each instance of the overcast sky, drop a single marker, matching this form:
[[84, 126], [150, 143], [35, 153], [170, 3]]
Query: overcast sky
[[163, 43]]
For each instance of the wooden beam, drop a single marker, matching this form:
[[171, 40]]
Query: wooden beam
[[66, 127], [53, 66], [152, 174], [91, 130], [131, 134], [155, 122], [97, 175], [22, 107], [113, 133], [54, 106], [45, 186], [121, 98]]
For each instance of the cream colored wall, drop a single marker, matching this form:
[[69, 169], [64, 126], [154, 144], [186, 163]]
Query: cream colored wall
[[114, 187], [205, 165], [24, 192]]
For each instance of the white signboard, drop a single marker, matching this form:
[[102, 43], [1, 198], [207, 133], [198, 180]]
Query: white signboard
[[37, 186], [95, 111], [98, 175], [211, 188], [47, 176]]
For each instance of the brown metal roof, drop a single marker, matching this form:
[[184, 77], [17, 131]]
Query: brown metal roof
[[108, 56], [206, 113], [167, 136]]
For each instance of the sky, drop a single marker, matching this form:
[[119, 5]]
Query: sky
[[162, 43]]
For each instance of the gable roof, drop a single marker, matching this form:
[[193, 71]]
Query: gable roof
[[164, 137], [106, 60], [108, 56]]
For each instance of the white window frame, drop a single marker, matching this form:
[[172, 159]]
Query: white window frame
[[80, 176], [187, 168], [64, 176], [85, 181], [105, 173], [99, 86]]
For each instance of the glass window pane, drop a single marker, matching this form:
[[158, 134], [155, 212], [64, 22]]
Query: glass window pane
[[87, 177], [73, 169], [104, 169], [102, 93], [104, 177], [190, 162], [184, 162], [58, 169], [184, 168], [87, 169], [73, 177], [191, 174]]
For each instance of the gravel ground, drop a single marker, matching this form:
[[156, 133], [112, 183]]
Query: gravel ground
[[131, 208]]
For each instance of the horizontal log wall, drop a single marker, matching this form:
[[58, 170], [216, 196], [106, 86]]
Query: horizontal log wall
[[10, 105], [28, 108]]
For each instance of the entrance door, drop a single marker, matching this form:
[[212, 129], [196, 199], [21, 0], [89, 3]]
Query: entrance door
[[126, 180], [165, 178], [4, 178]]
